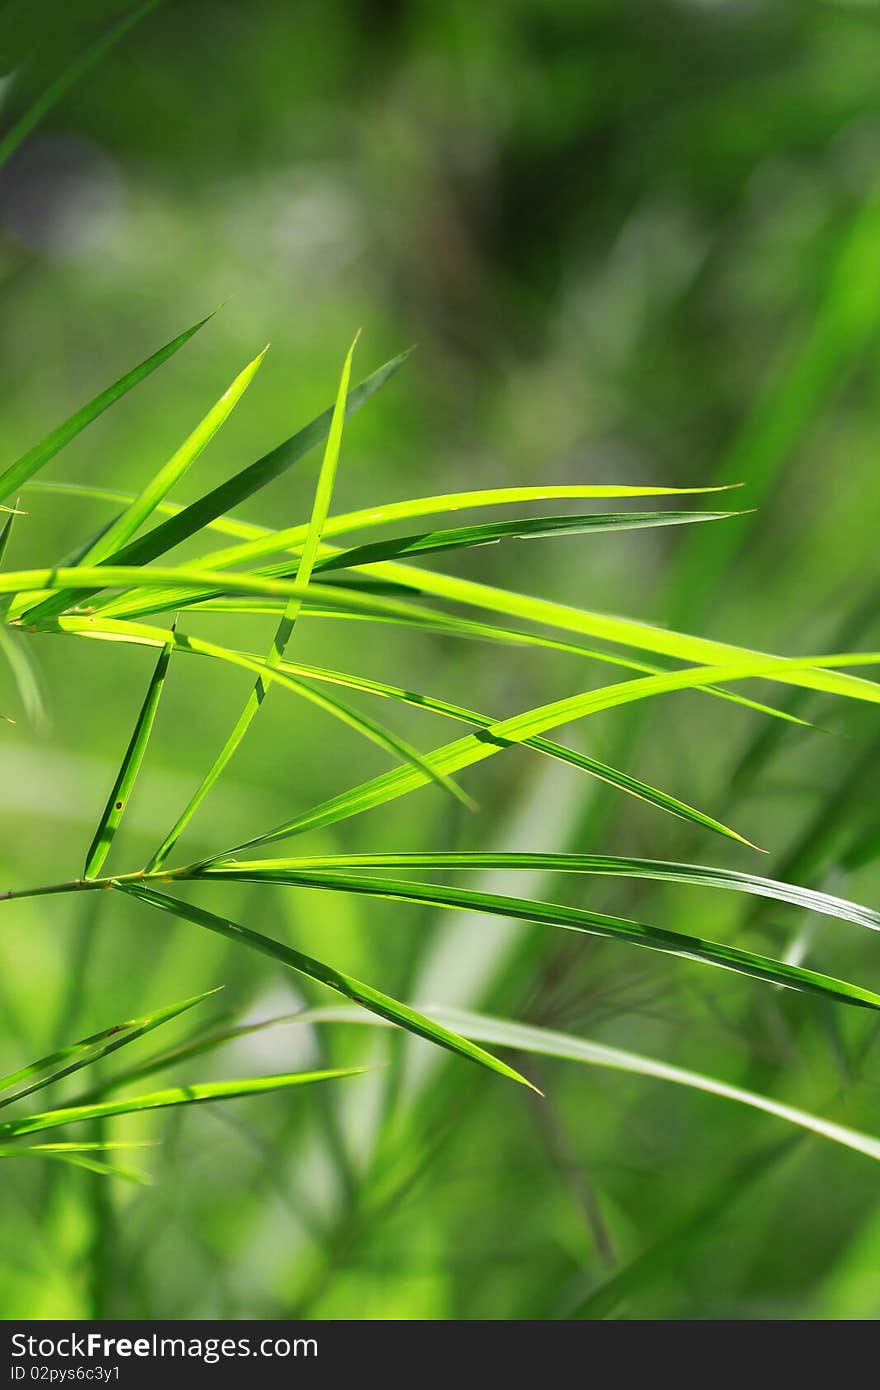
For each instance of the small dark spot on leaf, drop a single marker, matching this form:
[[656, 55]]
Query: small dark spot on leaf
[[119, 805], [120, 1028]]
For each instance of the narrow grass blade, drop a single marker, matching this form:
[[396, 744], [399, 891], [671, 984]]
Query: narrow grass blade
[[208, 1039], [540, 1041], [26, 675], [467, 537], [140, 635], [89, 1050], [25, 467], [117, 801], [6, 530], [160, 1100], [572, 918], [223, 525], [613, 866], [547, 1043], [72, 74], [365, 995], [223, 498], [284, 631], [481, 632], [137, 633], [474, 748], [626, 632], [143, 506], [812, 672], [77, 1156], [270, 542]]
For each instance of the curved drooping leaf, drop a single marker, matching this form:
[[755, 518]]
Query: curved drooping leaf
[[546, 1042], [140, 634], [29, 463], [130, 520], [372, 999], [558, 915], [615, 866], [67, 1060], [159, 1100]]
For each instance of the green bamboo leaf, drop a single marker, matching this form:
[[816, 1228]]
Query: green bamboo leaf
[[77, 1156], [72, 74], [203, 1041], [539, 1041], [437, 624], [284, 631], [613, 866], [25, 467], [194, 518], [572, 918], [742, 663], [84, 1053], [160, 1100], [113, 537], [267, 541], [223, 525], [474, 748], [546, 1042], [6, 530], [117, 802], [26, 674], [369, 998], [812, 672], [140, 634], [626, 632], [467, 537]]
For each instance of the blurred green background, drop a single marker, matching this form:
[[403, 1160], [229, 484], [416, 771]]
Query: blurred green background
[[635, 241]]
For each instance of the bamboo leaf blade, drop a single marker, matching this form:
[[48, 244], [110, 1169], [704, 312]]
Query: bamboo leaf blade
[[284, 631], [365, 995], [117, 802], [256, 476], [575, 919], [113, 538], [474, 748], [546, 1042], [29, 463], [65, 1061], [614, 866], [269, 541], [140, 634], [534, 1039], [160, 1100], [468, 537]]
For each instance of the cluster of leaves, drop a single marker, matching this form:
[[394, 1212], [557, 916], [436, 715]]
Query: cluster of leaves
[[111, 584]]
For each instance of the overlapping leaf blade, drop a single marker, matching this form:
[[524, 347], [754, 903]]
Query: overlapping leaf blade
[[117, 802], [196, 1094], [67, 1060], [372, 999], [29, 463], [579, 919]]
